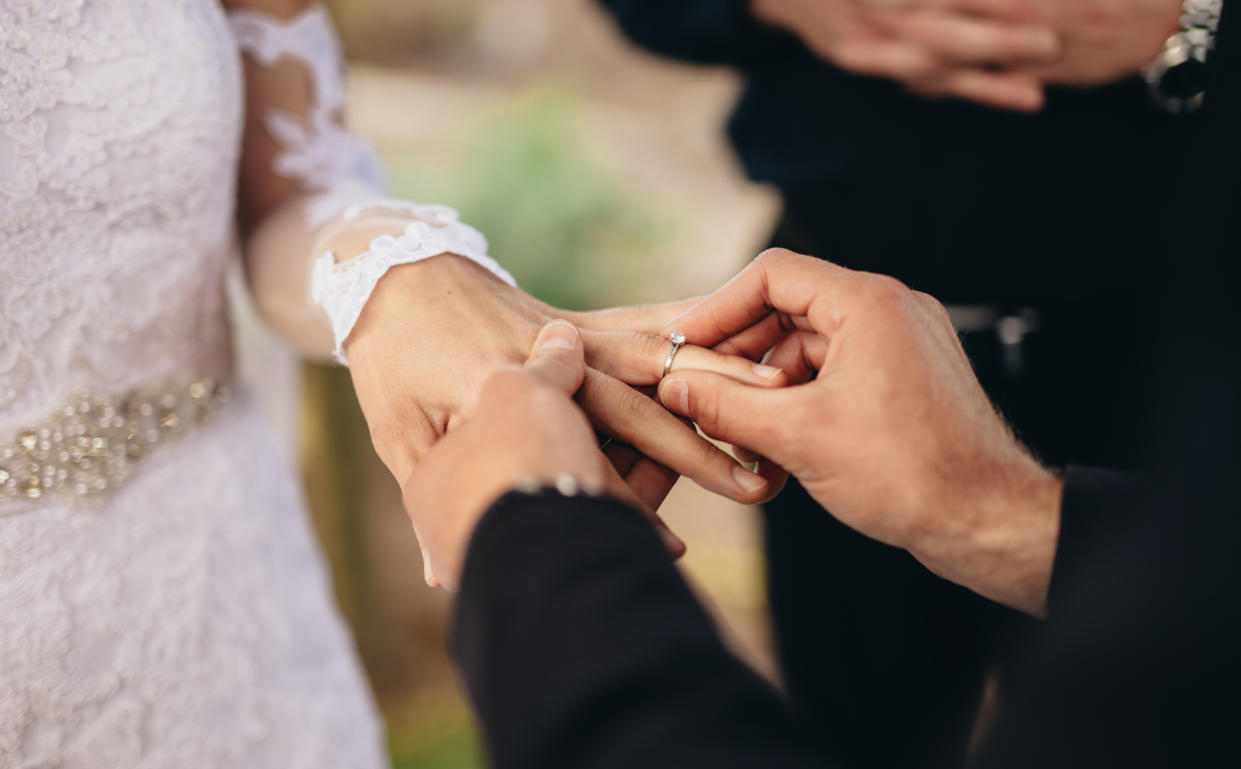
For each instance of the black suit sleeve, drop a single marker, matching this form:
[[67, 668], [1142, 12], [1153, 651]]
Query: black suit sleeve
[[1098, 509], [581, 646]]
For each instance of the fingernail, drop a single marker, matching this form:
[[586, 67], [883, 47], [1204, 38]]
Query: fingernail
[[557, 335], [747, 480], [674, 394], [767, 372]]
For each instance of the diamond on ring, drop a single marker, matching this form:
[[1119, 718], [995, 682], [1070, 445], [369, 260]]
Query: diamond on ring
[[678, 340]]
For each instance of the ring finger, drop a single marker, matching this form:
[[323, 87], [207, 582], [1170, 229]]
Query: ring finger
[[639, 359]]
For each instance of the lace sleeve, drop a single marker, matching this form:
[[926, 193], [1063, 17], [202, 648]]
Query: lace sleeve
[[311, 191]]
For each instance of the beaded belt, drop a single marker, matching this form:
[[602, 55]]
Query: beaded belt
[[95, 442]]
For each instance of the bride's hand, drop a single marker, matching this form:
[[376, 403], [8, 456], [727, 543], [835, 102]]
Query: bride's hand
[[525, 431], [433, 332]]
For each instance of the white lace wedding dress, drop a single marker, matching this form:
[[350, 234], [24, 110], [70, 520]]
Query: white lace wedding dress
[[172, 611]]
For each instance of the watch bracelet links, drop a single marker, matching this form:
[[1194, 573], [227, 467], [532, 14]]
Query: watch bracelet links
[[1194, 42]]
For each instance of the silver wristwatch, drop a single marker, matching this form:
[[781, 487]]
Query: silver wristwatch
[[1178, 77]]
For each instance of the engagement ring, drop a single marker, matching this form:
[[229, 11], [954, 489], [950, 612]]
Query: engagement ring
[[677, 339]]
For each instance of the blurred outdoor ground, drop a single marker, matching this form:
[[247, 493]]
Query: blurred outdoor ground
[[602, 177]]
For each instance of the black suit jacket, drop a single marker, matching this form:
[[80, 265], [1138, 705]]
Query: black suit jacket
[[971, 204], [581, 645]]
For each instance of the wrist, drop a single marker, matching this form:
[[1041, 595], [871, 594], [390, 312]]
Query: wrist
[[407, 298], [344, 289], [1001, 541]]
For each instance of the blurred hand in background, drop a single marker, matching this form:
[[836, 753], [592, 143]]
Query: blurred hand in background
[[997, 52], [980, 50], [1106, 40]]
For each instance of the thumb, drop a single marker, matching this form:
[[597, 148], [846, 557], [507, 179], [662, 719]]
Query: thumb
[[728, 410], [557, 358]]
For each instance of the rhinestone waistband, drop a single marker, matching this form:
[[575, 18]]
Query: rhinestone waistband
[[95, 442]]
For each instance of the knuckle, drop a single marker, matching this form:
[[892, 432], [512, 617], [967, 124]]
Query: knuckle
[[972, 39], [400, 444], [636, 407], [779, 258], [932, 305], [627, 408], [773, 254], [887, 293]]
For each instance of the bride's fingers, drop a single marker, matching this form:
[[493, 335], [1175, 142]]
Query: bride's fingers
[[651, 481], [777, 476], [639, 359], [643, 484], [647, 318], [633, 418], [622, 457]]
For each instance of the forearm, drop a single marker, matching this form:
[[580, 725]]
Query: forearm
[[581, 646], [278, 256], [319, 233]]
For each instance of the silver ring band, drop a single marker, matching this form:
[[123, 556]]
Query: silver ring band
[[678, 340]]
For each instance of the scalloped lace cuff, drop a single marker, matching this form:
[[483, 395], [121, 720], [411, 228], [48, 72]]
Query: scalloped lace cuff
[[342, 289]]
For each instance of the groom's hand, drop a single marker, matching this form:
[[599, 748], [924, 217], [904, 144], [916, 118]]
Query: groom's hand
[[525, 429], [891, 432]]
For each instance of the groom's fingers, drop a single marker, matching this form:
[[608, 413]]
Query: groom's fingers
[[755, 341], [556, 357], [800, 355], [639, 359], [780, 280], [762, 420]]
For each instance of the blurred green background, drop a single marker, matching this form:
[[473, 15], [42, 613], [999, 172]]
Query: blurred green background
[[601, 177]]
